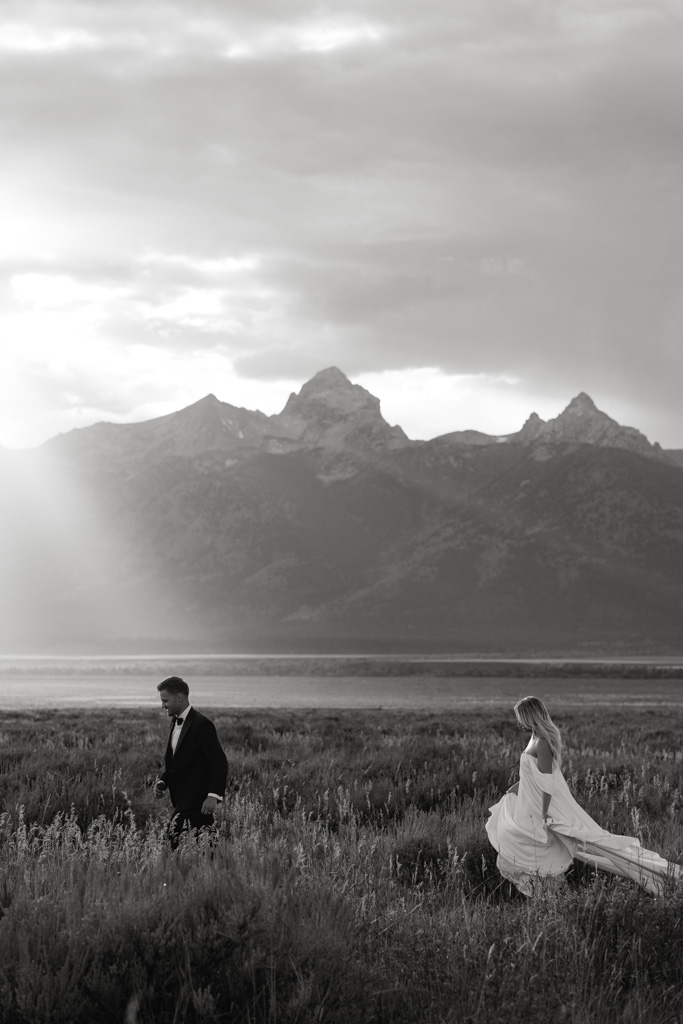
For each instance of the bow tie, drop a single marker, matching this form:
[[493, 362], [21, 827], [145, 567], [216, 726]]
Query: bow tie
[[178, 721]]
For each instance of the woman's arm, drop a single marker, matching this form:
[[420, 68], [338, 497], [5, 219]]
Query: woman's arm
[[544, 760], [514, 789]]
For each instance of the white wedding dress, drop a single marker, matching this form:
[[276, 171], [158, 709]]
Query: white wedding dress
[[527, 851]]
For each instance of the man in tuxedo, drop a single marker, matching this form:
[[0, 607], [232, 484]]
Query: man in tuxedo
[[196, 768]]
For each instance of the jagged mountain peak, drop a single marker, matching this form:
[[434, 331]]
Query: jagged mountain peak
[[580, 405], [531, 429], [329, 411], [581, 422], [330, 415], [582, 417], [211, 425], [203, 408], [331, 376], [333, 389], [203, 426]]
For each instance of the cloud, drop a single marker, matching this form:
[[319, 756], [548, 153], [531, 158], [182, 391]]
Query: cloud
[[58, 291], [24, 38], [482, 190]]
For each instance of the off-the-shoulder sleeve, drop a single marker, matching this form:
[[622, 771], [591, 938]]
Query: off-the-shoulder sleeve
[[547, 781]]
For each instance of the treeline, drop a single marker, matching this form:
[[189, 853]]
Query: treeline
[[376, 666]]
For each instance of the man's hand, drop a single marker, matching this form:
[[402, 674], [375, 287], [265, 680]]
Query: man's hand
[[159, 789], [209, 805]]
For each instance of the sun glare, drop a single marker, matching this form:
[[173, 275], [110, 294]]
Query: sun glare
[[59, 291], [24, 236]]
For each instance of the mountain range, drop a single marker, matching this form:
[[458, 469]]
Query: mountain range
[[325, 528]]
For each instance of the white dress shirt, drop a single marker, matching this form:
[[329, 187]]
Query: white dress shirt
[[177, 727]]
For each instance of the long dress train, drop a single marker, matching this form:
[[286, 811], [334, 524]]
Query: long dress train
[[528, 851]]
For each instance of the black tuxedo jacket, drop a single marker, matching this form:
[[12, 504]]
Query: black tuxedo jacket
[[199, 765]]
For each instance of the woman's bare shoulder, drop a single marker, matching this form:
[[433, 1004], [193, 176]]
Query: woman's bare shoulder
[[537, 745], [544, 755]]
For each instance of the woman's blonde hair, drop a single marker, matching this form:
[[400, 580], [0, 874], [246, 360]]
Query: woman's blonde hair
[[533, 714]]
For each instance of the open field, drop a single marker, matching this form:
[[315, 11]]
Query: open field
[[350, 880]]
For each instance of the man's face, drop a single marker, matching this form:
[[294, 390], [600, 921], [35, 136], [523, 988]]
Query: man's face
[[173, 703]]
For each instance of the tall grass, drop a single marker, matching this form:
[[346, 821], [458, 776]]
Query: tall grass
[[350, 878]]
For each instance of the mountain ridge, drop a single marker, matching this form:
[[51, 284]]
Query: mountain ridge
[[330, 412], [325, 525]]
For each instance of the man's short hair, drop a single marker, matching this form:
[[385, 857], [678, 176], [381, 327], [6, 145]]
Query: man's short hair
[[174, 684]]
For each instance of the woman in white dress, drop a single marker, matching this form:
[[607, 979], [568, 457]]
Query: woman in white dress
[[538, 828]]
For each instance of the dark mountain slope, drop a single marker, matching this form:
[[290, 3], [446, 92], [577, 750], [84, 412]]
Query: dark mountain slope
[[220, 527], [553, 546]]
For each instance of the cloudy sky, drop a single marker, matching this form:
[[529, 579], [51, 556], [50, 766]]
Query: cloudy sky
[[472, 207]]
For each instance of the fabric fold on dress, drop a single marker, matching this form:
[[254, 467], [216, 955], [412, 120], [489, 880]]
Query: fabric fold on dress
[[528, 850]]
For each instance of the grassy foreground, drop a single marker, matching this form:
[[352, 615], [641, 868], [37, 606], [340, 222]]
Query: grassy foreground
[[350, 881]]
